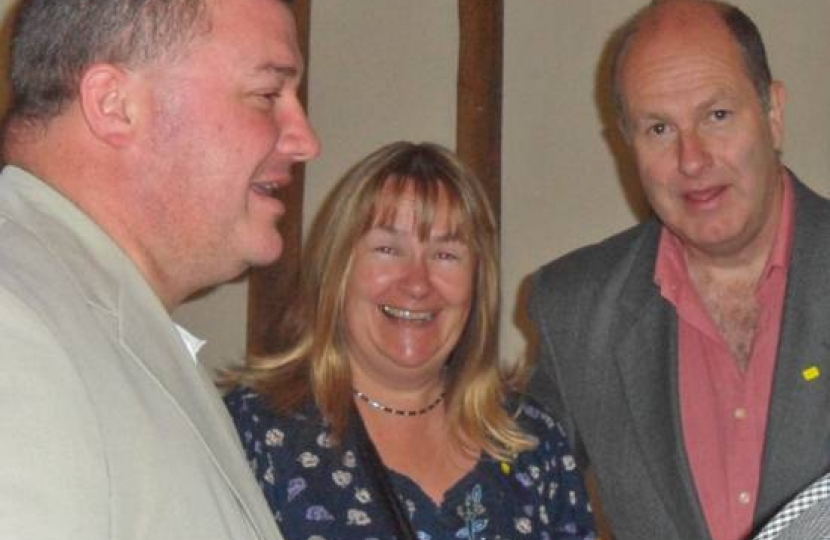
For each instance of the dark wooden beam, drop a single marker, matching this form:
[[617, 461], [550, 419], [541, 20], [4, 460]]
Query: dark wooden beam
[[478, 128], [271, 288]]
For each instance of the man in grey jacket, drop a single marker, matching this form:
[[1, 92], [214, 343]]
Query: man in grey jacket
[[146, 144], [688, 356]]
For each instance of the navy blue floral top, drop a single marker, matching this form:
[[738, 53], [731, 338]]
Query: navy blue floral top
[[319, 491]]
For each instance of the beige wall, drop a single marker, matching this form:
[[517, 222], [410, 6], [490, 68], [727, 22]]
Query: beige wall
[[385, 69]]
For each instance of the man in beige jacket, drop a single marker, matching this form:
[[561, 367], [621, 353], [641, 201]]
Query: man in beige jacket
[[146, 144]]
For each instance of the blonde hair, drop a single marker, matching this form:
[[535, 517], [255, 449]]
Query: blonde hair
[[313, 365]]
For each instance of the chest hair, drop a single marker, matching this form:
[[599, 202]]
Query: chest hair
[[734, 308]]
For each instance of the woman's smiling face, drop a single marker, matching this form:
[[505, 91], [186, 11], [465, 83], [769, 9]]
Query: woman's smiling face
[[408, 298]]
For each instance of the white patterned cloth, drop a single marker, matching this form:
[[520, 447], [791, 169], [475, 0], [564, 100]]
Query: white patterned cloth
[[815, 492]]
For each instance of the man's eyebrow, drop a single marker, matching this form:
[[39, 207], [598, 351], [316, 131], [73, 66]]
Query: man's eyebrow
[[716, 99], [280, 70]]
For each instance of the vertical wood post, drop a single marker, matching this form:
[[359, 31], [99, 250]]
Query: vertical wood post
[[270, 288], [478, 129]]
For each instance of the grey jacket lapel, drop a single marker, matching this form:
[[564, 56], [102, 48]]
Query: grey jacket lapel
[[647, 363], [798, 430]]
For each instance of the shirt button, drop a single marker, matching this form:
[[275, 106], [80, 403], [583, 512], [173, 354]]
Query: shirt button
[[740, 413], [743, 497]]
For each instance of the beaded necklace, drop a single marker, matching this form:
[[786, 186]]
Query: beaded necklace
[[398, 412]]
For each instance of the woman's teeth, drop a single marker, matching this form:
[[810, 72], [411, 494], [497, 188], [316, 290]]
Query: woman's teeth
[[406, 314]]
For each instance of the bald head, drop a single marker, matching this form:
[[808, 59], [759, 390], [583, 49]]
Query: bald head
[[692, 22]]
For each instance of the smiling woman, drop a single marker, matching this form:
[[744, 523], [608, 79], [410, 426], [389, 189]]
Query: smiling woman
[[387, 413]]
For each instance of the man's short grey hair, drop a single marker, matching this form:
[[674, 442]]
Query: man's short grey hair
[[54, 41]]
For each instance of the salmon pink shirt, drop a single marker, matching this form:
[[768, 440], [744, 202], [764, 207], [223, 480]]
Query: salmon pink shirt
[[724, 409]]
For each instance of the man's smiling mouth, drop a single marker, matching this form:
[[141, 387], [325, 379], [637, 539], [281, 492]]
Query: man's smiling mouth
[[266, 189]]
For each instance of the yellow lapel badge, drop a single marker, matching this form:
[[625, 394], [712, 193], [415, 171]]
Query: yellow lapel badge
[[811, 373]]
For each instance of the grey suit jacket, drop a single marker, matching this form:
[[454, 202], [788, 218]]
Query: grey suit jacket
[[608, 369], [109, 429]]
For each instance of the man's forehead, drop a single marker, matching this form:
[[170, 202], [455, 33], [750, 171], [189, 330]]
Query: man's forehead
[[682, 22], [234, 17], [683, 32], [260, 33]]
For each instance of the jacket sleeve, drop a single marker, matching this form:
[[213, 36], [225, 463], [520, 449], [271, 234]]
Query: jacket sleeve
[[52, 467], [545, 382]]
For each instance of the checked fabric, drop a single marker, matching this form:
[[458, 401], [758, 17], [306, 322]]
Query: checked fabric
[[815, 492]]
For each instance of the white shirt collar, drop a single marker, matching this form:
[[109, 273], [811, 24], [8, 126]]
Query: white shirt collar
[[193, 343]]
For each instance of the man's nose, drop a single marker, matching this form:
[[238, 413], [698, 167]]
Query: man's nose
[[693, 153], [297, 137]]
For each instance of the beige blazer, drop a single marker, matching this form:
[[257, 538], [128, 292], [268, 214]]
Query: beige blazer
[[108, 428]]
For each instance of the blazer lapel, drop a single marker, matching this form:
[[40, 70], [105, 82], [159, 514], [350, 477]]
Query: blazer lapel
[[109, 280], [798, 430], [147, 332], [648, 368]]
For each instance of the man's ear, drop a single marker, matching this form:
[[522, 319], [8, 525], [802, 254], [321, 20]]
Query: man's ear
[[105, 99], [777, 101]]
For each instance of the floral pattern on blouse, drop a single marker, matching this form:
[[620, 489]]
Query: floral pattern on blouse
[[318, 490]]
